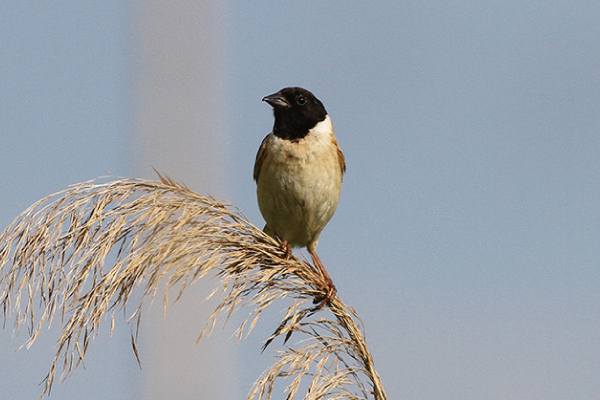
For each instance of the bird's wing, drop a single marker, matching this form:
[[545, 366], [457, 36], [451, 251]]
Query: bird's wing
[[341, 158], [260, 157]]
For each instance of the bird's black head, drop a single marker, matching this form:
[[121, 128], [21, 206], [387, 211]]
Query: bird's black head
[[296, 111]]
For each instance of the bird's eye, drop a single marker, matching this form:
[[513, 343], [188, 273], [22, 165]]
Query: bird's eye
[[300, 100]]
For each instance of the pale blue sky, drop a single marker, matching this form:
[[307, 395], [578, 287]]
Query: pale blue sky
[[468, 234]]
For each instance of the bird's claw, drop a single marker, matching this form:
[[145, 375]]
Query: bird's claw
[[330, 292], [287, 250]]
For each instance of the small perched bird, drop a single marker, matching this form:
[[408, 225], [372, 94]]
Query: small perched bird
[[298, 172]]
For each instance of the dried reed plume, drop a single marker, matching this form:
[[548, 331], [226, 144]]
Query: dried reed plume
[[80, 254]]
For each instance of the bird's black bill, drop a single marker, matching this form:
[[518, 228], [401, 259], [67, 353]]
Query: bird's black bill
[[276, 100]]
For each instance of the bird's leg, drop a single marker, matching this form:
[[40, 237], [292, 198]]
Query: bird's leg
[[329, 286]]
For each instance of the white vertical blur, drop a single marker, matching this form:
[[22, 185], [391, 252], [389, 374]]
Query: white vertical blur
[[179, 131]]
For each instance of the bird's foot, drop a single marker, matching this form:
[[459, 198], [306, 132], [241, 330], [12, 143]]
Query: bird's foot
[[287, 250], [330, 292]]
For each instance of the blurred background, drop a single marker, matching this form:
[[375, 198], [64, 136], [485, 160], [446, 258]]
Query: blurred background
[[468, 233]]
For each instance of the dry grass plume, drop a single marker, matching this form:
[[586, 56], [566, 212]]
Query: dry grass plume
[[79, 255]]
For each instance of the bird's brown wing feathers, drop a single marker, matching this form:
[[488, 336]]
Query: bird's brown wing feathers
[[260, 157], [341, 158]]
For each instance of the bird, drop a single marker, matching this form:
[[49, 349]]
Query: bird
[[298, 171]]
